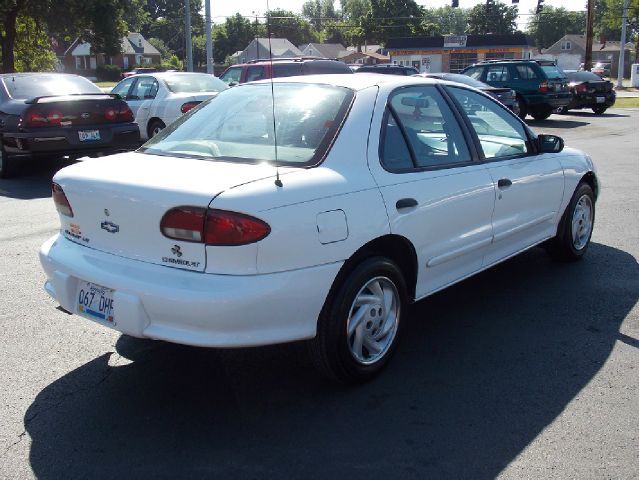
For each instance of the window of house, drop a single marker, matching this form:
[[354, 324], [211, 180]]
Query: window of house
[[566, 45], [78, 63]]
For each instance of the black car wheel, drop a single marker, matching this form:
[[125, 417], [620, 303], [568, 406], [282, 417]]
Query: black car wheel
[[599, 110], [562, 110], [541, 113], [359, 325], [155, 127], [8, 165], [523, 108]]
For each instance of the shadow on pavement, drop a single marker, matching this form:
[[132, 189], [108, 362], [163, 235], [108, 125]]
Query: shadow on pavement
[[482, 369], [33, 179], [556, 122], [586, 114]]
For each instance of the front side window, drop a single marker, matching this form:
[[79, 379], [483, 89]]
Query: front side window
[[255, 73], [497, 73], [232, 75], [241, 125], [500, 133], [123, 87], [419, 118], [475, 72]]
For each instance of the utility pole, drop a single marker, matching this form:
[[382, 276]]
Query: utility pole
[[209, 40], [589, 25], [622, 45], [187, 35]]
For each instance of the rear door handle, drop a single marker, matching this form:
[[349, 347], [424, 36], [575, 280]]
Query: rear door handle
[[405, 203], [504, 182]]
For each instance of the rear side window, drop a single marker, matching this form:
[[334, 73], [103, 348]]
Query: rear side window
[[497, 73], [324, 66], [286, 69], [474, 72], [553, 72], [526, 72], [420, 118]]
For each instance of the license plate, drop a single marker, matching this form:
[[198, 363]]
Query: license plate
[[601, 99], [95, 302], [89, 135]]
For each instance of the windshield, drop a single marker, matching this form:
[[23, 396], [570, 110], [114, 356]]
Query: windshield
[[22, 87], [553, 72], [238, 125], [194, 83]]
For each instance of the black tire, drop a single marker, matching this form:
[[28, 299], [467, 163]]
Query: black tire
[[8, 165], [564, 246], [599, 110], [562, 110], [523, 108], [334, 350], [155, 127], [541, 113]]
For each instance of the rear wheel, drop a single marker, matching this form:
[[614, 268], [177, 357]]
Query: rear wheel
[[8, 165], [541, 113], [599, 110], [562, 110], [358, 328], [523, 108], [575, 229], [155, 127]]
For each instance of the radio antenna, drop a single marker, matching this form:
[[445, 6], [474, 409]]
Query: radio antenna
[[278, 182]]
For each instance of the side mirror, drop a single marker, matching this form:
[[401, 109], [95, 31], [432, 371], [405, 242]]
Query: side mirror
[[233, 84], [550, 143]]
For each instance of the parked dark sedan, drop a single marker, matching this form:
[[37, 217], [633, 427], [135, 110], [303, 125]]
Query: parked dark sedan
[[588, 90], [505, 95], [58, 114]]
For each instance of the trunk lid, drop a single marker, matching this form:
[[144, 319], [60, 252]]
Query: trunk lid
[[75, 110], [118, 202]]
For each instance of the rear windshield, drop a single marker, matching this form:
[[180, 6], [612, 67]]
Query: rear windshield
[[241, 125], [194, 83], [22, 87], [552, 71], [583, 77]]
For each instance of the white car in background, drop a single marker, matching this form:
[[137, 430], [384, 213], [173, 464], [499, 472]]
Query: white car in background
[[311, 208], [158, 99]]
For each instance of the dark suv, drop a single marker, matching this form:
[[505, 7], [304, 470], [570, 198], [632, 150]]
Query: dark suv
[[541, 86], [281, 67]]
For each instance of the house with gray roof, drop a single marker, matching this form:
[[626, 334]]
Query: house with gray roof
[[326, 50], [135, 50], [265, 49], [570, 51]]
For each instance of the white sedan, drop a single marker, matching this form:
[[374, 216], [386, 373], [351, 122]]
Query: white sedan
[[158, 99], [312, 208]]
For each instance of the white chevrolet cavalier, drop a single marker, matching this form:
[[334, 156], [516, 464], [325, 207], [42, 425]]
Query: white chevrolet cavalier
[[311, 208]]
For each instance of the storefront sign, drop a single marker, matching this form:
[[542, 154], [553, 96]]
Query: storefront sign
[[455, 41], [396, 53]]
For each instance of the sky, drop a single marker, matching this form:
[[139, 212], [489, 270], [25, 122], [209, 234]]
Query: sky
[[220, 9]]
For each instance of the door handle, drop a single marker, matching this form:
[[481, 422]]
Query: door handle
[[504, 182], [405, 203]]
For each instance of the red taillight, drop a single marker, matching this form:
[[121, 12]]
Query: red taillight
[[231, 228], [213, 227], [35, 118], [60, 199], [110, 114], [581, 88], [188, 106], [544, 87], [54, 118], [125, 114]]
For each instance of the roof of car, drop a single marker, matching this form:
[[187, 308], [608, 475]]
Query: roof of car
[[354, 82]]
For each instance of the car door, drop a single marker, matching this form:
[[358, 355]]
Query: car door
[[436, 194], [142, 99], [529, 186]]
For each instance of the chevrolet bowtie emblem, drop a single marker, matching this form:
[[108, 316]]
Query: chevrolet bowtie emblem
[[110, 227]]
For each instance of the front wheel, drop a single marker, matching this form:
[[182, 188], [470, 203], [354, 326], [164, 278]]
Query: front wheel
[[575, 228], [155, 127], [358, 328], [523, 108], [541, 113], [599, 110]]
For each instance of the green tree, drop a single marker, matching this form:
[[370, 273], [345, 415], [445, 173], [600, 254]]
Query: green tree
[[233, 35], [608, 20], [448, 21], [286, 24], [33, 47], [100, 22], [353, 10], [394, 18], [553, 23], [318, 12], [499, 19]]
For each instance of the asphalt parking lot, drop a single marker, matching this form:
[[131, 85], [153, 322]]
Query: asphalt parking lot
[[528, 370]]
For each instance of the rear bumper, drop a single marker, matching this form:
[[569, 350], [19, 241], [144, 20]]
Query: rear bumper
[[192, 308], [552, 100], [66, 141], [590, 100]]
